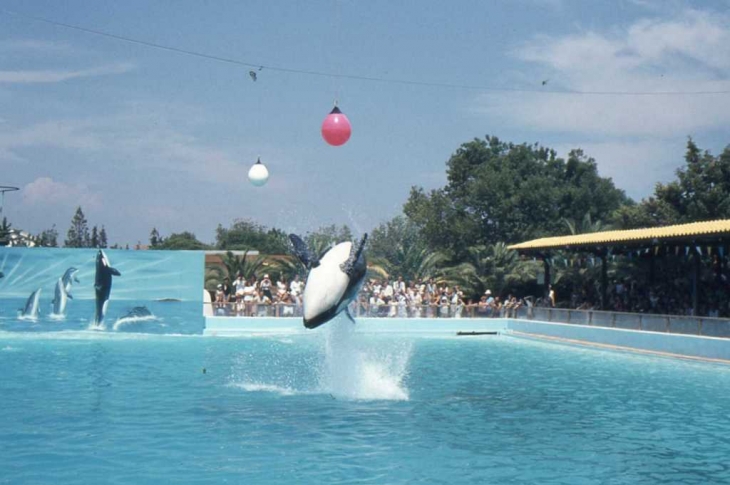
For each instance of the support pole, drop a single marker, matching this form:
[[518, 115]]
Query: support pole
[[546, 266], [695, 283], [604, 278]]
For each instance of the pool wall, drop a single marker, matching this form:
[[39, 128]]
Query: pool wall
[[667, 344]]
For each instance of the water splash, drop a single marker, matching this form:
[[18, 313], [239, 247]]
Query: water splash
[[129, 321], [357, 368]]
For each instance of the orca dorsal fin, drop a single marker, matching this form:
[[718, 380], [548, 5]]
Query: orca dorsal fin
[[303, 252], [355, 251]]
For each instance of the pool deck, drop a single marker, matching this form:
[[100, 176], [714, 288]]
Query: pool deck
[[655, 343]]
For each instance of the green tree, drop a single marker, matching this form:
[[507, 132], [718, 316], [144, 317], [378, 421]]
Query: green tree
[[5, 228], [499, 191], [701, 192], [102, 238], [325, 237], [493, 267], [155, 239], [94, 237], [247, 264], [247, 235], [78, 233], [48, 238], [183, 240]]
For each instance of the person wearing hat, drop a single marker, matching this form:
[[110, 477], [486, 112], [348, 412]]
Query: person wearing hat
[[265, 287], [490, 302], [220, 296]]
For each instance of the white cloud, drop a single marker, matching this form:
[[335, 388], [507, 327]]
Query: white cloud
[[689, 53], [44, 191], [619, 160], [34, 45], [55, 76]]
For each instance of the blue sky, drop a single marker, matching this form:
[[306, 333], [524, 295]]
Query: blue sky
[[142, 137]]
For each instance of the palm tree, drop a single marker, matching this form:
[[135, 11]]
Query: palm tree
[[214, 276], [413, 262], [493, 267], [244, 265]]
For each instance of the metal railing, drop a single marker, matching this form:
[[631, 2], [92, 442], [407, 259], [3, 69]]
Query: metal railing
[[649, 322], [362, 309]]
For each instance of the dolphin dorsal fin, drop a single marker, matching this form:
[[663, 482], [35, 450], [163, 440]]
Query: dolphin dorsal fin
[[355, 251], [303, 252]]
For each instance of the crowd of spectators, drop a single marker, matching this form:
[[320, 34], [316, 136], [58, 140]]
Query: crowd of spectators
[[377, 298], [669, 295], [427, 299], [254, 297]]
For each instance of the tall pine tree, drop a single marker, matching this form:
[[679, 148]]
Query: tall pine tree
[[78, 234], [94, 237], [102, 238]]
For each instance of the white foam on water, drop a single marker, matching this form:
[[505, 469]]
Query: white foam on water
[[8, 348], [271, 388], [133, 320], [57, 316], [356, 368]]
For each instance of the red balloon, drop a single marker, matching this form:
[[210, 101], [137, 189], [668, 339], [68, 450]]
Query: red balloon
[[336, 129]]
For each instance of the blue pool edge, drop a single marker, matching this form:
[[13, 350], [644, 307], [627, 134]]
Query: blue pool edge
[[655, 343]]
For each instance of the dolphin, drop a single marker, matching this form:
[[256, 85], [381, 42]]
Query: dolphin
[[63, 291], [60, 298], [69, 278], [102, 285], [333, 281], [31, 309]]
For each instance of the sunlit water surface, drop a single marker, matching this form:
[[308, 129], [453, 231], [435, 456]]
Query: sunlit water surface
[[338, 406]]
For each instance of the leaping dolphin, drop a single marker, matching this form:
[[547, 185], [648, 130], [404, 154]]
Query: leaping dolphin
[[60, 297], [102, 285], [69, 278], [63, 291], [333, 281], [31, 309]]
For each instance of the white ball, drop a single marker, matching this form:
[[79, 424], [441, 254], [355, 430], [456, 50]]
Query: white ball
[[258, 175]]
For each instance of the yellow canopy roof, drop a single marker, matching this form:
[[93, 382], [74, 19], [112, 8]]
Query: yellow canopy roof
[[695, 230]]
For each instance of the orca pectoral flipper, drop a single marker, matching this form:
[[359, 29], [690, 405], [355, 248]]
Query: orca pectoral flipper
[[349, 315], [303, 253], [355, 251], [115, 272]]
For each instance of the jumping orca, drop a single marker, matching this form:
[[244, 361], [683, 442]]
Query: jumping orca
[[63, 291], [102, 285], [333, 281], [31, 309]]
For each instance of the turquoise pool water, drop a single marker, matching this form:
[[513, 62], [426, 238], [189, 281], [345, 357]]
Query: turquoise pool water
[[337, 406]]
